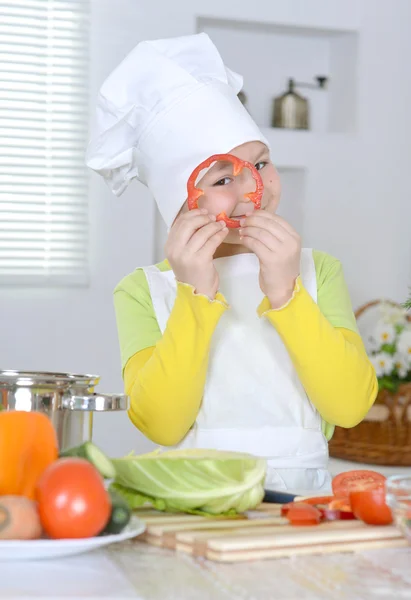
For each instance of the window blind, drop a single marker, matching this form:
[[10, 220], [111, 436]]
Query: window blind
[[43, 135]]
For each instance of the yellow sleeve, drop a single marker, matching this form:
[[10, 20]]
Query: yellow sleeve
[[166, 382], [331, 362]]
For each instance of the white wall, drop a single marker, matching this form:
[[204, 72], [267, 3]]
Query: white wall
[[357, 201]]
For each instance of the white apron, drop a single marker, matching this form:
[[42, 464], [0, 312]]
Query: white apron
[[253, 400]]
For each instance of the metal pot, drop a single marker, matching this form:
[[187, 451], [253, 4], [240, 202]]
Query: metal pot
[[67, 399]]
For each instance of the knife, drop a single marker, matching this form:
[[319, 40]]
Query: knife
[[273, 497]]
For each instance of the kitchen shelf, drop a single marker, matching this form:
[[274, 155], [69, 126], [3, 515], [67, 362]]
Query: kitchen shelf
[[268, 54]]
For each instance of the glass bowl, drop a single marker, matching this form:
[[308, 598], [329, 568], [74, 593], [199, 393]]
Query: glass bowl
[[398, 498]]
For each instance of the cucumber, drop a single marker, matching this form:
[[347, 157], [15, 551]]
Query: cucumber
[[95, 456], [120, 514]]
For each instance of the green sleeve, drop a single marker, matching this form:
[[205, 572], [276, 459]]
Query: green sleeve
[[137, 325], [333, 297], [334, 301]]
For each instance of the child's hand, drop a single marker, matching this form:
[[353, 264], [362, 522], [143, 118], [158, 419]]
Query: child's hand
[[278, 248], [190, 248]]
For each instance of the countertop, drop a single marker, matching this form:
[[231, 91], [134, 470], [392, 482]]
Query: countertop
[[136, 570]]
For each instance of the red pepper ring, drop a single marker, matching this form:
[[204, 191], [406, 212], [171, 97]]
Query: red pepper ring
[[193, 193]]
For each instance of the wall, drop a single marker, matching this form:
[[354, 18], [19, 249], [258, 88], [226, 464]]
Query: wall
[[357, 205]]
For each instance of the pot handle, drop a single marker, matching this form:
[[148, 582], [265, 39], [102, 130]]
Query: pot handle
[[96, 402]]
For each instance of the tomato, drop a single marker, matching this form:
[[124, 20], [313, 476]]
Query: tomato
[[72, 499], [369, 506], [335, 514], [343, 483], [340, 504], [330, 508], [303, 514], [285, 508], [317, 500]]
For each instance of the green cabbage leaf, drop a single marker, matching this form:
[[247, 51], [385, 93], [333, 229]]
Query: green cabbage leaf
[[196, 481]]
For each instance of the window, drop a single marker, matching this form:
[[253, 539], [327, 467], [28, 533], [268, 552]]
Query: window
[[43, 135]]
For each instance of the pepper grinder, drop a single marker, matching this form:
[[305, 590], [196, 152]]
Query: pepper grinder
[[291, 110]]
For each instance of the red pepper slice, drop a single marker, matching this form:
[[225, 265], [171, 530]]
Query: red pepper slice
[[193, 193]]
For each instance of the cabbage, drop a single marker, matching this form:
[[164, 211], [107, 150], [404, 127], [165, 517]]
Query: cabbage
[[194, 481]]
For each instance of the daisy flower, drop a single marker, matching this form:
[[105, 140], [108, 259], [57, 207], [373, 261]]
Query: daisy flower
[[384, 333], [395, 315], [383, 364], [402, 365], [404, 344]]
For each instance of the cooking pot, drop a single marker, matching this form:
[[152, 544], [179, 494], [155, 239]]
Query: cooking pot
[[67, 399]]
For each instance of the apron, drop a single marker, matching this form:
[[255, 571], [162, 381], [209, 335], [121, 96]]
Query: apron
[[253, 399]]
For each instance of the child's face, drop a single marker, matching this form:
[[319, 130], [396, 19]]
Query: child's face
[[225, 193]]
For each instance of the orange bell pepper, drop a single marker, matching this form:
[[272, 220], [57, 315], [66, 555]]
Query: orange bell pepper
[[28, 445]]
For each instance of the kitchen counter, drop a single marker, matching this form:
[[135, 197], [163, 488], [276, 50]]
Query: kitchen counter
[[142, 572], [136, 570]]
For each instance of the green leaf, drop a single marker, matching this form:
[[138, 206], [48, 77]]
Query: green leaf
[[194, 481], [136, 500], [389, 349], [387, 383]]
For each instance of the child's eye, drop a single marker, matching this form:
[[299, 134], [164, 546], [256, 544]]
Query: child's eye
[[223, 181], [260, 165]]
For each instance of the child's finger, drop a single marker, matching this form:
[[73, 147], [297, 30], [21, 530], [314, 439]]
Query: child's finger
[[259, 249], [201, 236], [281, 221], [266, 236], [182, 232], [268, 224], [209, 248]]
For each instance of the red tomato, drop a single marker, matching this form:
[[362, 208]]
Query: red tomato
[[335, 514], [285, 508], [72, 500], [343, 483], [300, 513], [317, 500], [369, 506], [340, 504]]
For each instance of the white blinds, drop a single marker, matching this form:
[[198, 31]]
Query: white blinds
[[43, 135]]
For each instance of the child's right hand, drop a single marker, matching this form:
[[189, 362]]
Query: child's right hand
[[190, 248]]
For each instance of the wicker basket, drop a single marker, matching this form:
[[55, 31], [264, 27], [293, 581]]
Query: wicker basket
[[384, 436]]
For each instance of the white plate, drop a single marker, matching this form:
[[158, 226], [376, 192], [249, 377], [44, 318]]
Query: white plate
[[40, 549]]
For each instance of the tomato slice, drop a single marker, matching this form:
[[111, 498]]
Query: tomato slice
[[369, 506], [335, 514], [285, 508], [314, 500], [344, 483], [303, 514], [329, 507], [342, 504]]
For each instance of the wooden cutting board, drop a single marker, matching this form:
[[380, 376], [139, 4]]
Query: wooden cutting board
[[261, 534]]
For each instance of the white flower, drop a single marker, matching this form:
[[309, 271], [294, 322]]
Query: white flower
[[404, 344], [395, 315], [383, 364], [384, 333], [402, 365]]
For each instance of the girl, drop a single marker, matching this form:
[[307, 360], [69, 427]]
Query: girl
[[240, 340]]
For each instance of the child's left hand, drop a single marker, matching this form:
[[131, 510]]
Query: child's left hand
[[278, 248]]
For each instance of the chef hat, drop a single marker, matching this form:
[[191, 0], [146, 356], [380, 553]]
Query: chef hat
[[168, 106]]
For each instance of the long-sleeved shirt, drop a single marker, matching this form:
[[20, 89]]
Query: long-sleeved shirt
[[165, 374]]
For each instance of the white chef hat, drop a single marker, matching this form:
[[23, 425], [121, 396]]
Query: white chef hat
[[168, 106]]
